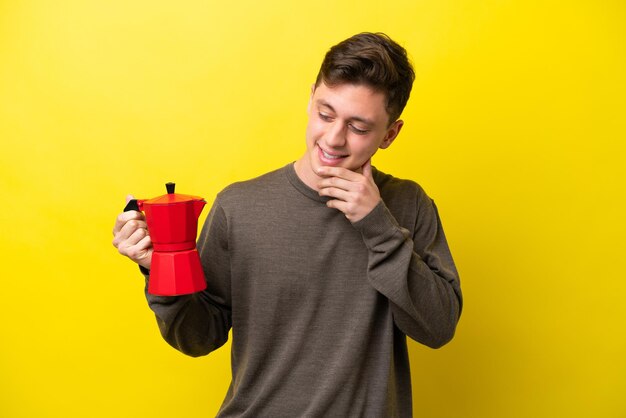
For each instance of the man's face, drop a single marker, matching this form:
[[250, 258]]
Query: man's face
[[347, 124]]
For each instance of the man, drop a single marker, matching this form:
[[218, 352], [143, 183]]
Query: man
[[324, 266]]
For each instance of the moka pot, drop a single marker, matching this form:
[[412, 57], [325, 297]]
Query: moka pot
[[173, 224]]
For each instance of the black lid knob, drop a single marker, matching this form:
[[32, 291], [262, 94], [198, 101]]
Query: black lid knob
[[170, 187]]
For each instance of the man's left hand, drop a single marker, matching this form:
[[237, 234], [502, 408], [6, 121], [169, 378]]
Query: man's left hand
[[354, 194]]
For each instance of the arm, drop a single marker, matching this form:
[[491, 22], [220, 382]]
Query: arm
[[197, 324], [416, 273]]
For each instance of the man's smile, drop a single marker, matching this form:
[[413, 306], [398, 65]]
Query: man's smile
[[330, 156]]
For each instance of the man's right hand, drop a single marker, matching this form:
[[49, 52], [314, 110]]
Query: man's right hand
[[131, 236]]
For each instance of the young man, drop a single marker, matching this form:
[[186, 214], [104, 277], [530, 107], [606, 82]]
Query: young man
[[324, 266]]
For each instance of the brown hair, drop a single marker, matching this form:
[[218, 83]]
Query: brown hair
[[374, 60]]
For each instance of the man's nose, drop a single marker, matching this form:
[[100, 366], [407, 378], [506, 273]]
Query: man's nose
[[336, 136]]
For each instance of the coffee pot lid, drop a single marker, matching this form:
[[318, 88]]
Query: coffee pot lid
[[171, 197]]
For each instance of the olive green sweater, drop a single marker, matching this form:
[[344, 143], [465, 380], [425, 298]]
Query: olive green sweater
[[319, 308]]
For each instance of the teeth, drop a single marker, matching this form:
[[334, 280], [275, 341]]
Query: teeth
[[331, 157]]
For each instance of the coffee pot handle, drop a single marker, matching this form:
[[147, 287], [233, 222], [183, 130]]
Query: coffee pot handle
[[131, 205]]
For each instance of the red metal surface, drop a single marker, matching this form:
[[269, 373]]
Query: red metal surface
[[173, 224]]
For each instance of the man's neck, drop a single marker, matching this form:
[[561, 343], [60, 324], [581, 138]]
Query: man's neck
[[305, 173]]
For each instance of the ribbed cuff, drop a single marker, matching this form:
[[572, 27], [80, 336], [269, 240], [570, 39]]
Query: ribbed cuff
[[378, 226]]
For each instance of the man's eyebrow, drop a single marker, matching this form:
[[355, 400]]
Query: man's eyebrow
[[351, 118]]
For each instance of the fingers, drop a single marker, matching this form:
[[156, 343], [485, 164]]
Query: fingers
[[140, 253], [353, 210], [344, 173], [336, 182], [133, 240], [125, 217], [352, 193], [341, 188], [366, 169], [130, 233], [138, 240], [135, 231], [348, 208], [335, 193], [131, 236]]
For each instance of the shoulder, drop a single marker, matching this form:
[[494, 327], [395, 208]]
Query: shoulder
[[248, 191], [406, 200], [394, 188]]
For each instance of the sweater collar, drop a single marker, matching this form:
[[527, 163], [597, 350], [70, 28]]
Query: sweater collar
[[299, 185]]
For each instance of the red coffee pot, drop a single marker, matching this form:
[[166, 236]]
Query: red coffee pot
[[173, 224]]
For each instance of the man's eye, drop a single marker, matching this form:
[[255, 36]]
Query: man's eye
[[325, 117], [358, 131]]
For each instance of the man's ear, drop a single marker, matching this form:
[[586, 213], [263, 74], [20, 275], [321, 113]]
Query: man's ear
[[392, 133]]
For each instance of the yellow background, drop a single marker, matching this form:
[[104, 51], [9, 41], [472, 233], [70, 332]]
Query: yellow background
[[516, 127]]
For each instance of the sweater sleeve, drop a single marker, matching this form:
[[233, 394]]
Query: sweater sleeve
[[199, 323], [415, 272]]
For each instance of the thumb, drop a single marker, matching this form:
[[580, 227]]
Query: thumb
[[130, 205], [367, 169]]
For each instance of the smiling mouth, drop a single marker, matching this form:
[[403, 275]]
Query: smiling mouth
[[331, 156]]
